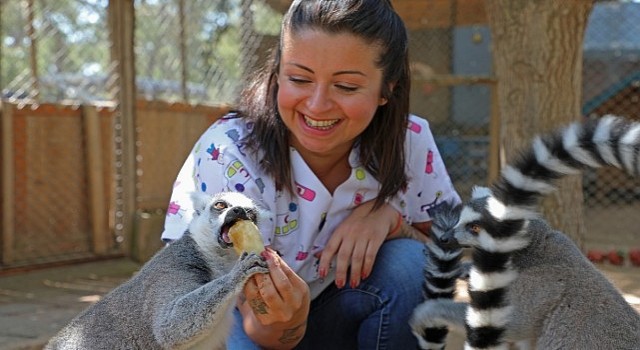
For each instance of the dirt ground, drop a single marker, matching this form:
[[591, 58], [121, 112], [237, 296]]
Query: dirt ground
[[35, 305]]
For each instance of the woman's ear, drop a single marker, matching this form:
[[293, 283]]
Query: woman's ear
[[383, 100]]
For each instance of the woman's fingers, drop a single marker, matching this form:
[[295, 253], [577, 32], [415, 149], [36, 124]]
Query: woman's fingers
[[327, 255], [355, 244], [369, 259], [281, 292]]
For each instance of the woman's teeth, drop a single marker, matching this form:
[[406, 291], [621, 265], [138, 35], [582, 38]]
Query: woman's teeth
[[320, 124]]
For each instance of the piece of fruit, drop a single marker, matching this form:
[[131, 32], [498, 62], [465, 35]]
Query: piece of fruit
[[615, 257], [246, 237], [595, 256], [634, 256]]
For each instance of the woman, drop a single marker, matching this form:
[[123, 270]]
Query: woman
[[323, 139]]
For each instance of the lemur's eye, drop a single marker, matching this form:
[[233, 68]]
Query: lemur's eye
[[220, 205], [474, 228]]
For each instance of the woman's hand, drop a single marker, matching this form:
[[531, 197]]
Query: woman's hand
[[356, 242], [275, 306]]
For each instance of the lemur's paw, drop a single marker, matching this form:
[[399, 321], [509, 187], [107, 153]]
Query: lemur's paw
[[250, 264], [429, 314]]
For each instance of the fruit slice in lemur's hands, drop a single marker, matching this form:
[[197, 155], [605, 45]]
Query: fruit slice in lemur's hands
[[245, 237]]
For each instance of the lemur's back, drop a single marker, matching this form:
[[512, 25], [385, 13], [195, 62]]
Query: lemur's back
[[115, 323], [183, 296], [559, 294]]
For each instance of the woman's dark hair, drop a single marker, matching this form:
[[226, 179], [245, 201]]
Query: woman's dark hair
[[382, 142]]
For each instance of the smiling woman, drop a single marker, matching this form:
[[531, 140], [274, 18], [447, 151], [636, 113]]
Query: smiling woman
[[323, 140], [329, 91]]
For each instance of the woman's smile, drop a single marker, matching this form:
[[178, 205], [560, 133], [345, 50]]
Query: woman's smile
[[323, 125]]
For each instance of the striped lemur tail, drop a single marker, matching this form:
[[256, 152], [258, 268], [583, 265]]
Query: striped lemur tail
[[495, 221], [442, 268]]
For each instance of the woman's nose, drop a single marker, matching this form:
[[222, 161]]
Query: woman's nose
[[320, 100]]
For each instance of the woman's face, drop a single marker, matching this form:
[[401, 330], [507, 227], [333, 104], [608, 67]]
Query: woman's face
[[329, 90]]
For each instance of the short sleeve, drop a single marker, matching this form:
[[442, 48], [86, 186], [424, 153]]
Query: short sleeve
[[429, 182], [217, 163]]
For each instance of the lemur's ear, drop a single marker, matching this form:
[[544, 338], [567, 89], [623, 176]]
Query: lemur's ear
[[200, 201], [263, 214]]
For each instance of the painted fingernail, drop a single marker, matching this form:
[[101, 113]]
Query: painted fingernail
[[354, 283], [365, 275], [340, 283], [322, 272]]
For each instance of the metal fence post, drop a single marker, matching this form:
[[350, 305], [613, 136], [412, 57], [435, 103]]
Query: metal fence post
[[122, 24]]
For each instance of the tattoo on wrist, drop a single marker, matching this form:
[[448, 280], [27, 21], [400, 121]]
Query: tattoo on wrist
[[258, 306], [292, 335]]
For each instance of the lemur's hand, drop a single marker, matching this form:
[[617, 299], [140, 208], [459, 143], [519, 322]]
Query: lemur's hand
[[248, 265], [356, 242]]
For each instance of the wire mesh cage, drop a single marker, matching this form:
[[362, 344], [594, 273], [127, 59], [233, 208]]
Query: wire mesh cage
[[200, 51], [192, 53], [55, 51]]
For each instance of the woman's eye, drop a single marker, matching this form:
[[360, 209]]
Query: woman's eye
[[220, 205], [297, 80], [347, 88]]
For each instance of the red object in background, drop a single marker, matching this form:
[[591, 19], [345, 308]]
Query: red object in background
[[596, 256], [615, 257], [634, 256]]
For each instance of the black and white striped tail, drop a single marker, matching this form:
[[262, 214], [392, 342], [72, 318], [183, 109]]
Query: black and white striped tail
[[513, 200], [441, 271], [607, 141]]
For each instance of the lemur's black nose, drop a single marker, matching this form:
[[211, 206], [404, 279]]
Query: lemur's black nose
[[448, 241], [237, 210], [236, 213]]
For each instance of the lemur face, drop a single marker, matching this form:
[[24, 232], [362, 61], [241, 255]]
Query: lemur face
[[445, 219], [488, 224], [469, 231], [222, 210]]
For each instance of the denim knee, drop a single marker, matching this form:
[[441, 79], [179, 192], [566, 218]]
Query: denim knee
[[398, 275], [375, 314]]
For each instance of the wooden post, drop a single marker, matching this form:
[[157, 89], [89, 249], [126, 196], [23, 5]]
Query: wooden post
[[95, 171], [8, 182], [33, 52], [495, 157], [183, 52], [121, 22], [537, 55]]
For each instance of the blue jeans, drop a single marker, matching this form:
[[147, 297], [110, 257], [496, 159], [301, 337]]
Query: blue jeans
[[374, 315]]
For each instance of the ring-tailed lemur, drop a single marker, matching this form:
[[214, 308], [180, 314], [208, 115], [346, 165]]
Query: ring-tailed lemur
[[442, 268], [182, 297], [530, 284]]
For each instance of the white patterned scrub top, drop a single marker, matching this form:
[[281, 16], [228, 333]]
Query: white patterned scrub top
[[300, 224]]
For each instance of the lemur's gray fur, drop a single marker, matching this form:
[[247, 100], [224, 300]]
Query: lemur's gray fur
[[529, 284], [180, 299]]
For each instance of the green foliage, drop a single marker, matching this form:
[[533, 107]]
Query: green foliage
[[72, 43]]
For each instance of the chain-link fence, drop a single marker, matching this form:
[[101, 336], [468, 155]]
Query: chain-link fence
[[55, 51], [611, 85], [197, 50], [200, 52]]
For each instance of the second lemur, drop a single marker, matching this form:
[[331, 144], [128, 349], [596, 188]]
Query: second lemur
[[530, 284]]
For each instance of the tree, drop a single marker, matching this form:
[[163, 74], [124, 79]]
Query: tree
[[537, 50]]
